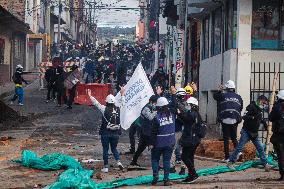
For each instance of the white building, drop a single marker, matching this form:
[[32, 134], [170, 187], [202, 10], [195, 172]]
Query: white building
[[241, 40]]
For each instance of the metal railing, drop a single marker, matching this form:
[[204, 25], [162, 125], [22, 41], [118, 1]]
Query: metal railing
[[262, 75]]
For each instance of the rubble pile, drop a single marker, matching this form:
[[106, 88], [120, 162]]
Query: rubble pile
[[214, 149], [7, 113]]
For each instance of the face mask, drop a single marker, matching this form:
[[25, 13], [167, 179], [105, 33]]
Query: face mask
[[188, 107]]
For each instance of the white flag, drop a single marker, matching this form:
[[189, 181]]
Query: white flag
[[138, 91]]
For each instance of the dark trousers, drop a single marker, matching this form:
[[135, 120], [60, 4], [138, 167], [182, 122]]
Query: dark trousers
[[71, 96], [50, 91], [229, 132], [187, 157], [61, 96], [156, 154], [279, 148], [132, 131], [143, 143]]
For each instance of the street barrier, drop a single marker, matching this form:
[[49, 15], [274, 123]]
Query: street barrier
[[99, 91]]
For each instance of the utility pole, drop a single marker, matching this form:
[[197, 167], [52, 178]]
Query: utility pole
[[59, 22], [157, 36], [47, 18], [184, 38]]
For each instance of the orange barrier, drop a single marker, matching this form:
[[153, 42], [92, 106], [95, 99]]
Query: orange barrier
[[99, 91]]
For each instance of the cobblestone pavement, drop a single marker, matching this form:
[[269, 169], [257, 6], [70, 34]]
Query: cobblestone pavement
[[75, 132]]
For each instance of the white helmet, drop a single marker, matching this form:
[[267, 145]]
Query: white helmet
[[230, 85], [110, 99], [162, 101], [181, 92], [19, 66], [280, 94], [193, 101]]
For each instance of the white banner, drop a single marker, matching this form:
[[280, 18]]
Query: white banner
[[138, 91]]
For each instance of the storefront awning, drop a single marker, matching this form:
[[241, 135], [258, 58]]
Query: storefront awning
[[11, 22]]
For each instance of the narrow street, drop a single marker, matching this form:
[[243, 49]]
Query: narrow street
[[99, 94], [75, 133]]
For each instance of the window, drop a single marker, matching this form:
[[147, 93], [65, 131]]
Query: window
[[2, 49], [231, 24], [266, 24], [216, 32], [17, 45], [205, 40]]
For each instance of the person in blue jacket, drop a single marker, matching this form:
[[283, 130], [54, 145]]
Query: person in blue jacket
[[162, 140], [230, 106]]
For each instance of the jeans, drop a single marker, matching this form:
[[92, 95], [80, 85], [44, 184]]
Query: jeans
[[279, 148], [243, 140], [155, 158], [229, 131], [132, 131], [187, 157], [19, 93], [176, 156], [143, 143], [112, 141]]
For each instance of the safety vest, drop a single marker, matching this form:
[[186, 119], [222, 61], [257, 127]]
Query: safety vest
[[166, 131]]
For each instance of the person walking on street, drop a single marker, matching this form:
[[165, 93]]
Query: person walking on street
[[162, 140], [72, 90], [110, 129], [18, 80], [59, 85], [50, 77], [230, 106], [134, 129], [191, 137], [148, 113], [252, 120], [179, 103], [277, 118]]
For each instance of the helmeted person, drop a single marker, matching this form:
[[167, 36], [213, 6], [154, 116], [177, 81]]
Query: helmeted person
[[277, 118], [148, 113], [73, 89], [18, 80], [50, 77], [190, 138], [230, 106], [162, 140], [180, 103], [110, 129], [252, 120]]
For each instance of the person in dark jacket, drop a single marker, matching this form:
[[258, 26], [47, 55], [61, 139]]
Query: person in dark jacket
[[162, 140], [230, 106], [249, 132], [72, 90], [18, 80], [160, 77], [179, 103], [110, 129], [50, 77], [59, 85], [148, 113], [188, 140], [277, 118]]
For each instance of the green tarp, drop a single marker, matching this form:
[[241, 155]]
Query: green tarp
[[77, 177]]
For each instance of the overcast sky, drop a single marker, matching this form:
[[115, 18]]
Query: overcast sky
[[122, 18]]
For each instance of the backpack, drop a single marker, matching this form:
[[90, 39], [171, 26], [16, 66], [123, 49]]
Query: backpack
[[113, 123], [200, 127], [280, 128]]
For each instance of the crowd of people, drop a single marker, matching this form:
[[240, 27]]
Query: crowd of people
[[170, 124]]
